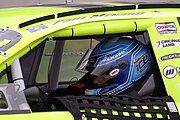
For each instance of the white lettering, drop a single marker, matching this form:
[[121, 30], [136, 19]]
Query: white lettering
[[112, 57]]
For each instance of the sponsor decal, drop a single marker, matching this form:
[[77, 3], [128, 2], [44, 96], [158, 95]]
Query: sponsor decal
[[166, 28], [141, 61], [37, 28], [172, 107], [170, 56], [174, 42], [113, 56], [170, 71], [114, 72]]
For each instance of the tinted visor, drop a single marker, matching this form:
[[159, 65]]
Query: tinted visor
[[81, 67], [110, 70]]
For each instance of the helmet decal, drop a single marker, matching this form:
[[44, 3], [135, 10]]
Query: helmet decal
[[113, 56], [141, 61], [114, 72]]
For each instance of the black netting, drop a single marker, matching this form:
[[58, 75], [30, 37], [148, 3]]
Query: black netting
[[122, 107]]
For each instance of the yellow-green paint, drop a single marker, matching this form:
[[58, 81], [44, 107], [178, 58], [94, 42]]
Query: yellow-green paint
[[171, 84], [39, 116], [89, 24]]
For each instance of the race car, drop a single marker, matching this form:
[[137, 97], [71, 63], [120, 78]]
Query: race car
[[90, 61]]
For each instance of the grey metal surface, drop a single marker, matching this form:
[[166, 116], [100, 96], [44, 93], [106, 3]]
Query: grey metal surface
[[11, 3], [17, 74], [13, 36], [16, 70], [148, 87], [16, 100]]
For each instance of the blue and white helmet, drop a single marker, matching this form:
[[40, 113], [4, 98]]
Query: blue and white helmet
[[122, 59]]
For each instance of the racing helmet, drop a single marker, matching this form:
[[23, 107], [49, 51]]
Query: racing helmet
[[122, 60]]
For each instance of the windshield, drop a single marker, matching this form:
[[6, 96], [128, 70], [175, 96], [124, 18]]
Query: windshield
[[74, 52]]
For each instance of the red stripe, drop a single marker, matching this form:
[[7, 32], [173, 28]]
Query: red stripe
[[79, 85]]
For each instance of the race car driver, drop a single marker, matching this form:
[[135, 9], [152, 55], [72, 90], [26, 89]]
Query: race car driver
[[116, 65]]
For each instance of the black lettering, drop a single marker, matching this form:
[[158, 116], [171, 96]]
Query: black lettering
[[178, 70], [141, 64], [168, 45], [94, 16], [139, 13], [169, 72]]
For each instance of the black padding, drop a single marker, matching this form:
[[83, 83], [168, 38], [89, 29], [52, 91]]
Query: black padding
[[36, 20], [145, 6], [92, 10]]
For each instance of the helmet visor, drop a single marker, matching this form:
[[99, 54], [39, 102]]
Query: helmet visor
[[109, 70], [81, 67]]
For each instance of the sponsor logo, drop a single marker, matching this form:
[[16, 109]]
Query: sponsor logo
[[168, 43], [170, 56], [37, 28], [166, 28], [114, 72], [113, 56], [170, 71], [141, 62], [172, 107]]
